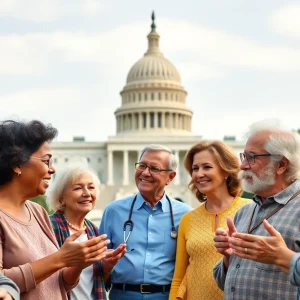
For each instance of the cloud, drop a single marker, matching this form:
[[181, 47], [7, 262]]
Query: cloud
[[48, 10], [205, 52], [286, 20]]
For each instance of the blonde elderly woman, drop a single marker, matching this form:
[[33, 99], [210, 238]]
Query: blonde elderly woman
[[73, 195]]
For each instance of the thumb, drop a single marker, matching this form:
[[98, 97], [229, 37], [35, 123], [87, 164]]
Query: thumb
[[272, 231], [74, 236], [231, 227]]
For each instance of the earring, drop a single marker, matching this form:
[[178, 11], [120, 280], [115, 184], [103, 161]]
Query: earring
[[226, 177], [19, 173]]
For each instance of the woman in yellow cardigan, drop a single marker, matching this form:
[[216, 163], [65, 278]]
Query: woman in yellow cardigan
[[213, 167]]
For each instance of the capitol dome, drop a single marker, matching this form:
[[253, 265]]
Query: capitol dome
[[153, 99], [153, 66]]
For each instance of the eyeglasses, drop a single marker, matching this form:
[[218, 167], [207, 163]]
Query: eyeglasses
[[47, 161], [251, 157], [152, 169]]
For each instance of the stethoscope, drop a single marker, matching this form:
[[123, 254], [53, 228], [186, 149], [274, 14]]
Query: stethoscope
[[130, 223]]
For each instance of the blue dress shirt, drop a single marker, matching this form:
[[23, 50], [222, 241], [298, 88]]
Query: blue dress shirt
[[153, 258]]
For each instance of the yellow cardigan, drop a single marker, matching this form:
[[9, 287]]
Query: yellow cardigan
[[196, 254]]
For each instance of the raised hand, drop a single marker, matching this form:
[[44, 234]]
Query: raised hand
[[222, 236], [265, 249], [84, 253], [112, 258]]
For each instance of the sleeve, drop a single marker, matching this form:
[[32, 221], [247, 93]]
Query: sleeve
[[103, 228], [182, 257], [22, 275], [219, 273], [294, 274], [10, 287]]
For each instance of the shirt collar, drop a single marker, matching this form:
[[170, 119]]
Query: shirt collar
[[162, 203], [282, 197]]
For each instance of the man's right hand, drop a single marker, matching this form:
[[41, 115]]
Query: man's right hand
[[221, 240]]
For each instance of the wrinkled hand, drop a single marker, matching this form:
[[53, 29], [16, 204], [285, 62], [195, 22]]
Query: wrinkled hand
[[112, 257], [221, 239], [4, 295], [264, 249], [85, 253]]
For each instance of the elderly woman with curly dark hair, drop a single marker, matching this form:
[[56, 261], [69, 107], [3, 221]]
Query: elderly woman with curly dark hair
[[214, 169], [30, 255]]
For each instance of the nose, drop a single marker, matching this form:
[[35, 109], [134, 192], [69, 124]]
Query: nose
[[51, 170], [146, 171], [85, 192], [245, 165]]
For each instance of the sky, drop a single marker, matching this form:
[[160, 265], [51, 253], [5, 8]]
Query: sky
[[65, 62]]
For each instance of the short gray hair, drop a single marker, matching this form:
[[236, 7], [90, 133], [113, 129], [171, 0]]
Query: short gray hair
[[283, 142], [62, 179], [173, 162]]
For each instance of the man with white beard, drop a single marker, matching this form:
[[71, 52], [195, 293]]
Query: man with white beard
[[252, 267]]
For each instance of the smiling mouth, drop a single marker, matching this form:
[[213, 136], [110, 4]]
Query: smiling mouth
[[143, 180], [85, 202]]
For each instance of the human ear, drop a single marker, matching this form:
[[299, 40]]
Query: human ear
[[283, 166], [171, 177]]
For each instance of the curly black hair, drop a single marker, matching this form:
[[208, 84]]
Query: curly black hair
[[18, 140]]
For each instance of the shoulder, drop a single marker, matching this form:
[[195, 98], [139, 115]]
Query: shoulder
[[180, 206], [37, 209], [243, 201], [120, 203], [245, 206]]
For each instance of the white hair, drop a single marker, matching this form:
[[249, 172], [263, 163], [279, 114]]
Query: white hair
[[173, 162], [282, 142], [65, 177]]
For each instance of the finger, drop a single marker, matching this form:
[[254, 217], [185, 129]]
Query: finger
[[221, 231], [95, 240], [231, 226], [245, 236], [272, 231], [75, 235]]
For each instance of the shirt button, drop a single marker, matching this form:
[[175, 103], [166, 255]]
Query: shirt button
[[148, 253], [150, 216], [237, 266], [146, 270], [232, 288], [150, 233]]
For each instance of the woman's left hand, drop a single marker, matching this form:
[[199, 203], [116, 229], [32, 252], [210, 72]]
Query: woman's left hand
[[112, 258]]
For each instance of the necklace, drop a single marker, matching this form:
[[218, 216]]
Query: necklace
[[75, 227]]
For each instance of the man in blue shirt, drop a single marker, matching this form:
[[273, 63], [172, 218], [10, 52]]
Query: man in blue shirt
[[146, 271]]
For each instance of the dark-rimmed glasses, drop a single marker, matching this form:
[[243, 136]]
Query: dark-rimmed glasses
[[152, 169], [251, 157], [48, 161]]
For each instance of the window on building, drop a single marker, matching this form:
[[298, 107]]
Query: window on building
[[152, 96], [159, 120], [152, 120], [144, 120]]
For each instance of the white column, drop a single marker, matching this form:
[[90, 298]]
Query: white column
[[110, 179], [177, 177], [125, 167]]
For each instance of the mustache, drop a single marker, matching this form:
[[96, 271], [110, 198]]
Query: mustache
[[244, 174]]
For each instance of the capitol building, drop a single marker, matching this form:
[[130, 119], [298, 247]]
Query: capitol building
[[153, 109]]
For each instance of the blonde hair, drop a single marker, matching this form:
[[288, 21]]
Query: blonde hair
[[62, 179], [227, 161]]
